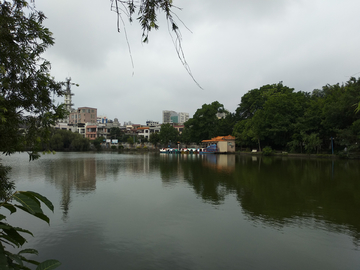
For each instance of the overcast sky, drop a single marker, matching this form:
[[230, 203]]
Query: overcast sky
[[234, 46]]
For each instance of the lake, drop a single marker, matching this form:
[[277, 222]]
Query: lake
[[160, 211]]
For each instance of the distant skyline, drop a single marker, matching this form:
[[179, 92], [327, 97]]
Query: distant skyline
[[233, 47]]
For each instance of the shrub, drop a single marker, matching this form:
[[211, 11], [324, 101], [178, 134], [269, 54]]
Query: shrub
[[267, 151]]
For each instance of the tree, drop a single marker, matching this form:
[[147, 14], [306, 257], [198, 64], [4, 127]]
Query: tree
[[168, 134], [26, 112], [204, 124], [154, 138], [26, 86], [97, 142], [116, 133], [66, 140], [269, 114], [130, 140]]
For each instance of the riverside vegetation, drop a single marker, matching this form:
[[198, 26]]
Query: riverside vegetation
[[274, 116]]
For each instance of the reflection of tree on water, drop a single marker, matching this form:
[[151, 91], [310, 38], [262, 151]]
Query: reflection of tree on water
[[294, 190], [202, 172], [278, 192]]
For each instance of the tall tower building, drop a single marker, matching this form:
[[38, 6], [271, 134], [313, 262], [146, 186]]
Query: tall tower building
[[68, 95]]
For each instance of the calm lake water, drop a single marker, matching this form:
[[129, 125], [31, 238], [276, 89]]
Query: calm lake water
[[152, 211]]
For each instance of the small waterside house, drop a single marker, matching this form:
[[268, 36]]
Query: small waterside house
[[224, 144]]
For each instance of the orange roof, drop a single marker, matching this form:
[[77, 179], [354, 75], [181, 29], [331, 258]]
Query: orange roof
[[143, 128], [220, 138]]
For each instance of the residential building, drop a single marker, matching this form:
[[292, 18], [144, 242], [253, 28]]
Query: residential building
[[174, 117], [179, 128], [183, 117], [169, 117], [91, 132], [150, 123], [101, 119], [83, 115], [144, 132]]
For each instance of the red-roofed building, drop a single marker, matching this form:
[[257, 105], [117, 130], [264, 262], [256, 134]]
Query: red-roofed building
[[225, 144]]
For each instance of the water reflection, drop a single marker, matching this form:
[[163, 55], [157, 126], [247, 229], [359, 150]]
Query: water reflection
[[152, 211], [276, 191]]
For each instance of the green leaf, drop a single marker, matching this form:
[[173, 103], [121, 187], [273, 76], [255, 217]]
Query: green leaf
[[9, 207], [41, 198], [48, 265], [30, 261], [29, 251], [43, 217], [3, 260], [2, 217], [4, 226], [31, 204], [16, 258], [23, 230], [14, 236]]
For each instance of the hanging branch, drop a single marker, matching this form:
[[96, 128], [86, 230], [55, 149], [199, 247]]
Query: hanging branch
[[148, 11]]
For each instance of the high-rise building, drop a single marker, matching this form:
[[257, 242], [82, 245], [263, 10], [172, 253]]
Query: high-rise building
[[83, 115], [168, 116], [174, 117], [183, 117]]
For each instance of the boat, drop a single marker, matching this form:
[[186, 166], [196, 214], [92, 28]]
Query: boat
[[169, 151], [211, 149]]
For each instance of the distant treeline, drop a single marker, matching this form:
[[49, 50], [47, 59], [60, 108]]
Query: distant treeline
[[61, 140], [278, 117]]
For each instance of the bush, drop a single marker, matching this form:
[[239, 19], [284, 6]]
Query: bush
[[267, 151], [113, 147]]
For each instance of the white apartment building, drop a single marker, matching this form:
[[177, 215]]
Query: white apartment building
[[183, 117]]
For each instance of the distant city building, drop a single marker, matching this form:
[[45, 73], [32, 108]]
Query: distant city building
[[83, 115], [150, 123], [167, 116], [174, 117], [102, 119], [183, 117], [221, 115]]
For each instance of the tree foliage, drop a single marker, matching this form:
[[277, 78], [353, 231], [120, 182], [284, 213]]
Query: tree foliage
[[29, 202], [147, 12], [61, 140], [168, 134], [26, 88], [154, 138], [27, 112], [276, 116], [206, 123]]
